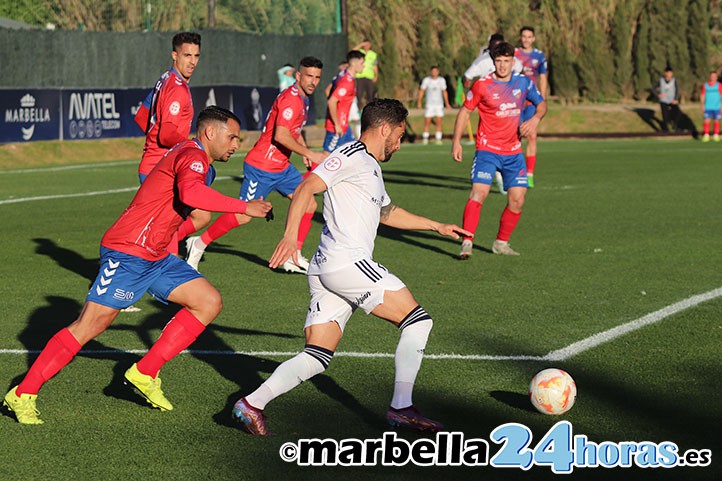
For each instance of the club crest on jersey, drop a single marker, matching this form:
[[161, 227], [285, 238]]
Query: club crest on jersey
[[197, 167], [332, 164], [288, 113], [516, 93], [469, 95], [342, 91], [174, 108]]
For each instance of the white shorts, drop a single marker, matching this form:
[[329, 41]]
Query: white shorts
[[334, 296], [434, 111]]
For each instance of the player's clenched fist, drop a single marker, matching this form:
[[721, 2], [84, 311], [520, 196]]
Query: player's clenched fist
[[258, 208]]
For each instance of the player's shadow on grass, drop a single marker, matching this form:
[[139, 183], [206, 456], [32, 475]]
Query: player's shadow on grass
[[409, 237], [648, 117], [68, 259], [403, 177], [45, 322], [217, 248], [513, 399]]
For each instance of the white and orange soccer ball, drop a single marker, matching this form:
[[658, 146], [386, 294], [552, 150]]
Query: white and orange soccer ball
[[553, 391]]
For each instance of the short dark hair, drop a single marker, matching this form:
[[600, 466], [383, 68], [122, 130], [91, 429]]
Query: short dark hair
[[354, 54], [383, 111], [311, 62], [503, 49], [668, 69], [215, 113], [186, 37], [526, 27], [434, 67], [495, 38]]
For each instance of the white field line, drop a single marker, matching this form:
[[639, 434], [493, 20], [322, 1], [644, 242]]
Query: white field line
[[558, 355], [67, 167], [80, 194]]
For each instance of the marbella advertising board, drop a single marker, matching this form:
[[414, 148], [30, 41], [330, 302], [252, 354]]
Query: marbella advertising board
[[85, 114]]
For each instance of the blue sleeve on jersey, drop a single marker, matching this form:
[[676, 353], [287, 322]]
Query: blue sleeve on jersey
[[532, 92], [542, 64]]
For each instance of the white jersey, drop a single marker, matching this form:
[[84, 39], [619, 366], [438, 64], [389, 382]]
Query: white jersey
[[351, 207], [434, 90], [483, 65]]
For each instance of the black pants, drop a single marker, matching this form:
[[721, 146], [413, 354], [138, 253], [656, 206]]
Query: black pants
[[365, 91], [670, 116]]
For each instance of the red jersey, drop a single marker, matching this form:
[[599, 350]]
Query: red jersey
[[344, 89], [534, 63], [171, 191], [289, 110], [168, 114], [500, 105]]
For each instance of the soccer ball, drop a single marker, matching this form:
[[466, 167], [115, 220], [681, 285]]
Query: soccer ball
[[552, 391]]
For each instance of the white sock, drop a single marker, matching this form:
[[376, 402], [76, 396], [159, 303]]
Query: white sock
[[313, 360], [199, 244], [409, 354], [439, 135], [425, 135]]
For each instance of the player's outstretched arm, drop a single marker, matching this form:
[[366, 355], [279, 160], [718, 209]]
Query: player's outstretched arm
[[457, 153], [286, 247], [196, 194], [395, 216]]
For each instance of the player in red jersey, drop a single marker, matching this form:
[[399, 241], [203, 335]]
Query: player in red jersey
[[340, 100], [166, 116], [134, 259], [500, 98], [535, 67], [267, 166]]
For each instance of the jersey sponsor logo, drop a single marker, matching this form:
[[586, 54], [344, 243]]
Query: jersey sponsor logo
[[332, 164], [197, 167], [174, 108], [288, 113], [483, 175], [507, 106]]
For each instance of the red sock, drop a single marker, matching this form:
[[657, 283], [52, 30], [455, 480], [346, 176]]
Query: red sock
[[472, 212], [313, 166], [530, 163], [177, 335], [507, 224], [705, 128], [716, 127], [186, 229], [222, 226], [303, 229], [58, 352]]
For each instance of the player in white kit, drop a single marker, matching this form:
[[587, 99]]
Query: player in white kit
[[343, 275], [434, 87]]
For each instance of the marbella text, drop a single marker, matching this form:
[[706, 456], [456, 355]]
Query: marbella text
[[559, 449]]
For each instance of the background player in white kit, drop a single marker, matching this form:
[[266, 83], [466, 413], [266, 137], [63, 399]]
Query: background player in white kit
[[434, 87], [343, 275]]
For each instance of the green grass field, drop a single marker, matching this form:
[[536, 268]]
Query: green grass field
[[614, 231]]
